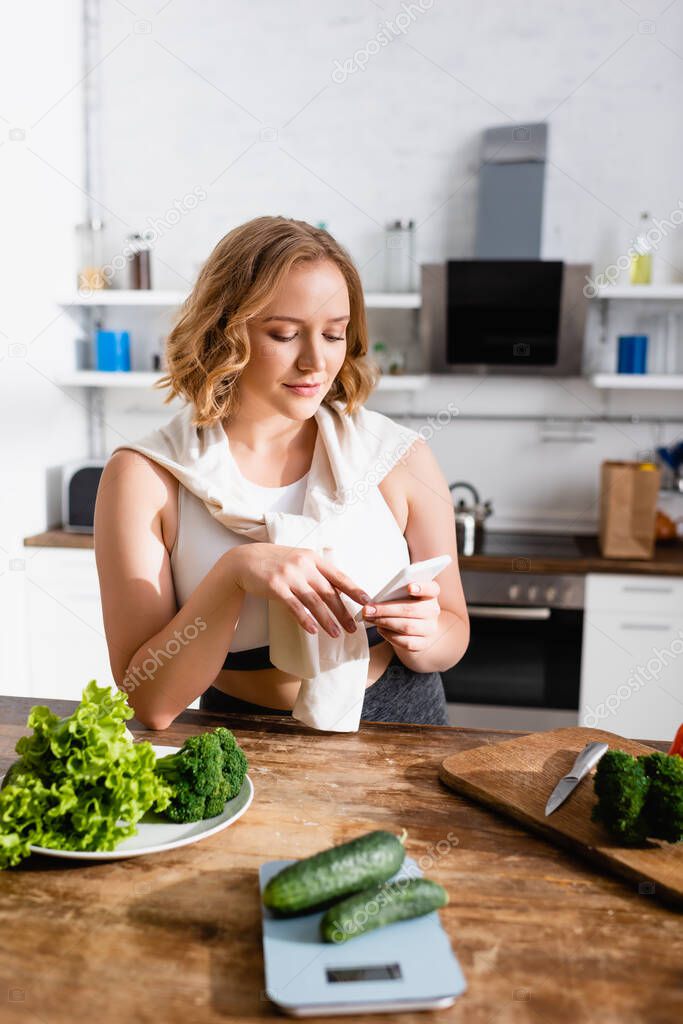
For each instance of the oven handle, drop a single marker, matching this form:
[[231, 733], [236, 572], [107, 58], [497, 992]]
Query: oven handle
[[485, 611]]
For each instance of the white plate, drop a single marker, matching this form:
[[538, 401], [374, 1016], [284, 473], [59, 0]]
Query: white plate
[[155, 834]]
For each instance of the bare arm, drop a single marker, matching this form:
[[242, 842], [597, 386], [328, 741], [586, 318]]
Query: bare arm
[[164, 658]]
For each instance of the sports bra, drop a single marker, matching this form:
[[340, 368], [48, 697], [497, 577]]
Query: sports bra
[[201, 540]]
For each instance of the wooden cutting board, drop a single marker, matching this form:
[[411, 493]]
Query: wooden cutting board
[[516, 777]]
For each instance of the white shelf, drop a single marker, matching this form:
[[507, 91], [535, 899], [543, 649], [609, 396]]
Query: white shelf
[[387, 382], [122, 297], [373, 300], [107, 379], [139, 379], [638, 381], [402, 381], [169, 299], [640, 291], [393, 300]]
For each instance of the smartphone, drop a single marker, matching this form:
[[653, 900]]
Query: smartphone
[[397, 587]]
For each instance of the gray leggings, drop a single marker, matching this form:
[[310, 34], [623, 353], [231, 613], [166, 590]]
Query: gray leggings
[[399, 695]]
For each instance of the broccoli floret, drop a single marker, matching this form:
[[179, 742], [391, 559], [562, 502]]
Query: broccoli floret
[[207, 771], [193, 773], [185, 806], [235, 764], [215, 802], [664, 805], [640, 798], [621, 784]]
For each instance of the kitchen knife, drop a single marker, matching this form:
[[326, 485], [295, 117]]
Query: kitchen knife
[[587, 759]]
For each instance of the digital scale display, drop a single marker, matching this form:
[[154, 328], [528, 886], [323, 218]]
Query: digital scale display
[[379, 972]]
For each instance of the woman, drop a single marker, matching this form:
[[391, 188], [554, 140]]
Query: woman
[[274, 327]]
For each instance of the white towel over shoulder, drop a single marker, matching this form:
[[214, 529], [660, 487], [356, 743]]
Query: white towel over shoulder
[[352, 454]]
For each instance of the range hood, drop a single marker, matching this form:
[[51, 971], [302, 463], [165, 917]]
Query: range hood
[[505, 310], [511, 183]]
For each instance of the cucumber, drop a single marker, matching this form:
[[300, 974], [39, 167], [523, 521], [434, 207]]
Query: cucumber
[[313, 882], [379, 906]]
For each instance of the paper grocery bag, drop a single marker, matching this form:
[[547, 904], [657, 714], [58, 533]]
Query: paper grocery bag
[[628, 508]]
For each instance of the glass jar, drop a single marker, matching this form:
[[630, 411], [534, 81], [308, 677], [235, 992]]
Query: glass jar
[[399, 256], [89, 236], [140, 250]]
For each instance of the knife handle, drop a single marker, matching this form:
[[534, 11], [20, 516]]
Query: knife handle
[[587, 759]]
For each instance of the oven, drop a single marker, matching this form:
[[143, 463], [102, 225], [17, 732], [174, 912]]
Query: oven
[[522, 668]]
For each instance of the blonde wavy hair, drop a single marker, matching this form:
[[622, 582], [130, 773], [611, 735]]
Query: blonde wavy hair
[[208, 346]]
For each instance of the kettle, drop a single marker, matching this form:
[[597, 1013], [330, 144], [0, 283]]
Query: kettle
[[469, 520]]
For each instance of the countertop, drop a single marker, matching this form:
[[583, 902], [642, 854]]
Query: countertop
[[541, 936], [502, 552], [557, 553]]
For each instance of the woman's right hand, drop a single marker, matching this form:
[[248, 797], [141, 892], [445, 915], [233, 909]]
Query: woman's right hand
[[303, 580]]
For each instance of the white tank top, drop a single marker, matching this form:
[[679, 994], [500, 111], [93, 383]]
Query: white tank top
[[201, 540]]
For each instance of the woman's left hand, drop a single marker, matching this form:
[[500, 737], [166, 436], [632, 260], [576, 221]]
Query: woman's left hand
[[411, 623]]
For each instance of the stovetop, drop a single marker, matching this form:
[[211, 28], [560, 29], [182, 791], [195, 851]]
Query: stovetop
[[546, 554], [530, 545]]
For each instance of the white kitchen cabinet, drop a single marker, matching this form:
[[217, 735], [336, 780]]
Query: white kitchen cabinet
[[63, 637], [64, 633], [632, 657]]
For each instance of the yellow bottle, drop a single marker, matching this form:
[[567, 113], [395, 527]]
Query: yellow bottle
[[641, 257]]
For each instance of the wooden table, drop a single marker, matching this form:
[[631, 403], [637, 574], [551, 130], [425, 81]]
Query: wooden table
[[175, 937]]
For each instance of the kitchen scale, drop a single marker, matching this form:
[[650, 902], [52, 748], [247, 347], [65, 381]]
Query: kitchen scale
[[408, 965]]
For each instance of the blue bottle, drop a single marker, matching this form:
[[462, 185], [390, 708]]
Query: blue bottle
[[113, 350], [632, 356]]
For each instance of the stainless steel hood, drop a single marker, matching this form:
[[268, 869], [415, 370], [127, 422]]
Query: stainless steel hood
[[511, 184]]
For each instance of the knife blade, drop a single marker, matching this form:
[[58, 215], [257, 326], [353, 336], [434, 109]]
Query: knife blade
[[587, 759]]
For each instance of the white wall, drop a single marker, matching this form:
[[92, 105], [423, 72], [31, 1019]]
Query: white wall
[[40, 201], [243, 103], [241, 100], [246, 103]]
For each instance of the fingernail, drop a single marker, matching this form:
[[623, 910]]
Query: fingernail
[[365, 597], [351, 625], [415, 588], [334, 631], [370, 609]]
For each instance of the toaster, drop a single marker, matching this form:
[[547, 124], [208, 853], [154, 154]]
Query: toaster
[[80, 481]]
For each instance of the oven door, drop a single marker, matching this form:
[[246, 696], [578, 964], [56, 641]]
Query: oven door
[[519, 657]]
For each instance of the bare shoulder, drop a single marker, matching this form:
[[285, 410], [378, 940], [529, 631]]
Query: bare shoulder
[[414, 478], [133, 485], [424, 474], [129, 471], [417, 473]]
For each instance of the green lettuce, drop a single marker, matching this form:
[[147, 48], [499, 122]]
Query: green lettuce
[[79, 783]]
